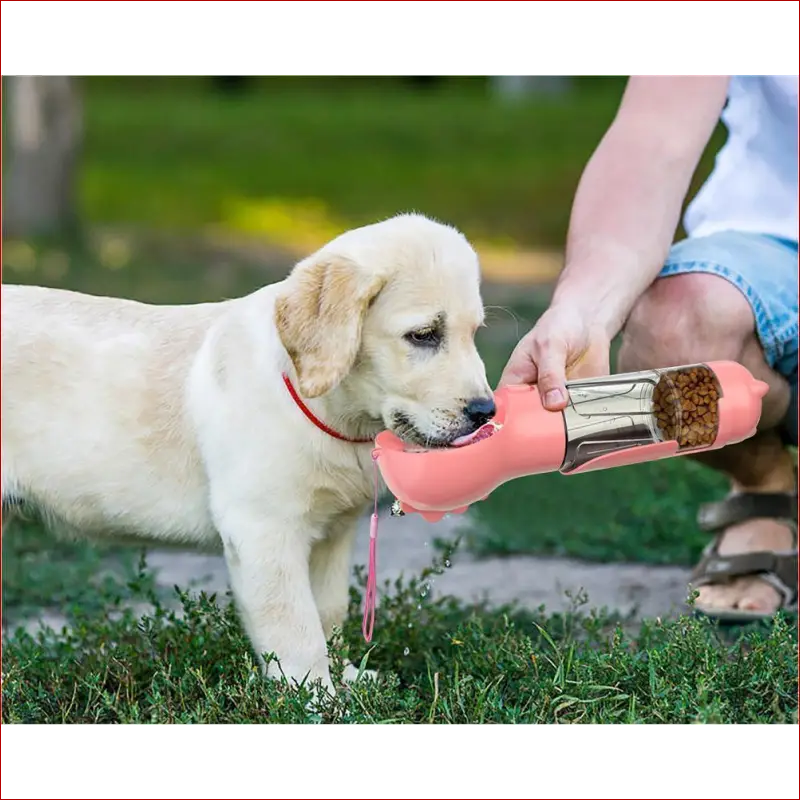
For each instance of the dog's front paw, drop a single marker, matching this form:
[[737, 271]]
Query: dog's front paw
[[351, 674]]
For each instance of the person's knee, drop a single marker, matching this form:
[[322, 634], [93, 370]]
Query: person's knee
[[684, 319]]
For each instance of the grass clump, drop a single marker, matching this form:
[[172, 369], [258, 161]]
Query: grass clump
[[439, 661]]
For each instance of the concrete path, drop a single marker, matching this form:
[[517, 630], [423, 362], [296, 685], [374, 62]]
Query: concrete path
[[405, 546]]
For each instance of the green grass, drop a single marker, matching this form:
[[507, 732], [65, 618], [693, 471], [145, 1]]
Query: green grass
[[41, 571], [439, 662], [644, 514]]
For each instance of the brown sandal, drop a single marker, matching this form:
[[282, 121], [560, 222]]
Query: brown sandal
[[779, 569]]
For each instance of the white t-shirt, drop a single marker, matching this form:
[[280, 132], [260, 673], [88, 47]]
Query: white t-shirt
[[753, 186]]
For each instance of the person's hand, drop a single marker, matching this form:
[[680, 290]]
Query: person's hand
[[561, 345]]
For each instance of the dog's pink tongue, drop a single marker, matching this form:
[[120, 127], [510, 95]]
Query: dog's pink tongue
[[483, 432]]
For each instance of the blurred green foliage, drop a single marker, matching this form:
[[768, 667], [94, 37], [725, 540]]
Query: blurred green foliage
[[176, 153]]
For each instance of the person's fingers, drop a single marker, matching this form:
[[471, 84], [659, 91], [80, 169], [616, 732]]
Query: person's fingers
[[551, 379], [520, 367]]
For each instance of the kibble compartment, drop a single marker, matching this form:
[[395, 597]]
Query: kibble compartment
[[685, 402], [622, 412]]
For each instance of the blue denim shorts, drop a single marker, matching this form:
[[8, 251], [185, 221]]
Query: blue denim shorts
[[764, 269]]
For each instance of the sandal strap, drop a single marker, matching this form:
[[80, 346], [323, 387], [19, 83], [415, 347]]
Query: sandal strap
[[714, 517], [780, 569]]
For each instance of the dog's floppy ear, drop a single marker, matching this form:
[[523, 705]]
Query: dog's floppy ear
[[319, 317]]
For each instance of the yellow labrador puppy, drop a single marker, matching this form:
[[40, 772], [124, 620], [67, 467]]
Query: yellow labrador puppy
[[245, 425]]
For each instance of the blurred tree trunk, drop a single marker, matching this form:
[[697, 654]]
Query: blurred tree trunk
[[44, 133]]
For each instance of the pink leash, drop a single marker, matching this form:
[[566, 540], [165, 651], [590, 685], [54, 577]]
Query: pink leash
[[371, 595], [370, 598]]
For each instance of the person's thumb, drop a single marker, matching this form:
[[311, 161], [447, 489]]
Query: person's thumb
[[552, 378]]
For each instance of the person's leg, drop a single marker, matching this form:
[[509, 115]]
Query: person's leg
[[732, 297]]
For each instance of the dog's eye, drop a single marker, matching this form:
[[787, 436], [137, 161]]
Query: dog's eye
[[426, 337]]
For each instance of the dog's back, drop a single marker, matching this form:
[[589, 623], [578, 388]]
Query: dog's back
[[92, 411]]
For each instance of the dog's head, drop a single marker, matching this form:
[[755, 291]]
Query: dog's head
[[388, 314]]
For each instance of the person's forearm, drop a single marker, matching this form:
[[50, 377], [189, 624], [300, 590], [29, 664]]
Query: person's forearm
[[623, 221], [629, 200]]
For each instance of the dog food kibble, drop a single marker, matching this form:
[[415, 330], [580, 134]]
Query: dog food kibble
[[685, 406]]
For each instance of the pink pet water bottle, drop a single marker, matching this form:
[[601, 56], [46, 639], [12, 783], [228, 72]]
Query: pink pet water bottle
[[608, 422]]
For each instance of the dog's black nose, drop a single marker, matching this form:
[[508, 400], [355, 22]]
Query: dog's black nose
[[479, 410]]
